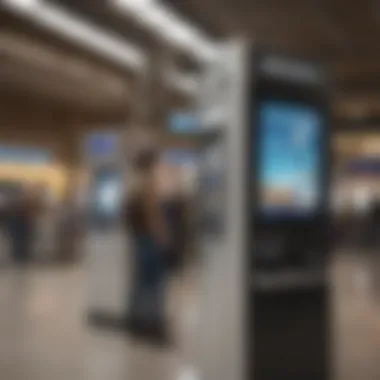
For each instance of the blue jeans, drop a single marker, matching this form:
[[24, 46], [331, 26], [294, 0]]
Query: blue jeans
[[147, 297]]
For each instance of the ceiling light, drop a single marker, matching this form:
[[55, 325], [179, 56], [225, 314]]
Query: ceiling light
[[23, 3]]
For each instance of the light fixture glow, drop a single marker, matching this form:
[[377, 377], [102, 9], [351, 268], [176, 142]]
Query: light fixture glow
[[22, 3]]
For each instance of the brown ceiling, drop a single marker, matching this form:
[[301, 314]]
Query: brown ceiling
[[102, 14], [87, 99], [342, 33]]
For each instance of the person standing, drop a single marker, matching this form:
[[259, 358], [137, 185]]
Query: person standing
[[70, 224], [147, 225], [22, 219]]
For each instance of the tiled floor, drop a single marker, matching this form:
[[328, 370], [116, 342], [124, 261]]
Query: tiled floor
[[44, 335]]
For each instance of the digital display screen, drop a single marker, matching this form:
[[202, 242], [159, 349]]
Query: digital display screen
[[100, 144], [106, 195], [289, 160], [183, 122]]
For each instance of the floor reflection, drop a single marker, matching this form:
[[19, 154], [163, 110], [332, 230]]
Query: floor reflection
[[44, 334]]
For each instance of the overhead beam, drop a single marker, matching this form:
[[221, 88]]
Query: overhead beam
[[104, 16], [359, 85], [78, 31], [169, 26]]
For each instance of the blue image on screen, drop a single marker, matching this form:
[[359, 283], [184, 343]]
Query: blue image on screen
[[289, 160], [106, 196], [100, 144]]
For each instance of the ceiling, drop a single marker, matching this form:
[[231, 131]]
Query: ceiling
[[339, 33], [71, 79], [103, 14], [343, 34]]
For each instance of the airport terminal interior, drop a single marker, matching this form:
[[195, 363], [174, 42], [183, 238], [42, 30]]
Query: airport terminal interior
[[86, 85]]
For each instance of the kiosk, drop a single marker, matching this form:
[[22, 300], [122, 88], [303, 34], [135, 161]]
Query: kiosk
[[265, 287], [106, 243]]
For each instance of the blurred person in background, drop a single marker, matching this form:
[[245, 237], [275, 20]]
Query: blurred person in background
[[147, 224], [22, 219], [374, 223], [69, 226], [41, 199]]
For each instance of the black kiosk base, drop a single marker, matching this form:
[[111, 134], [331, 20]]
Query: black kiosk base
[[290, 333]]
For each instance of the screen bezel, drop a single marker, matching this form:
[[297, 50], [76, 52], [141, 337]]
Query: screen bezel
[[266, 91]]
